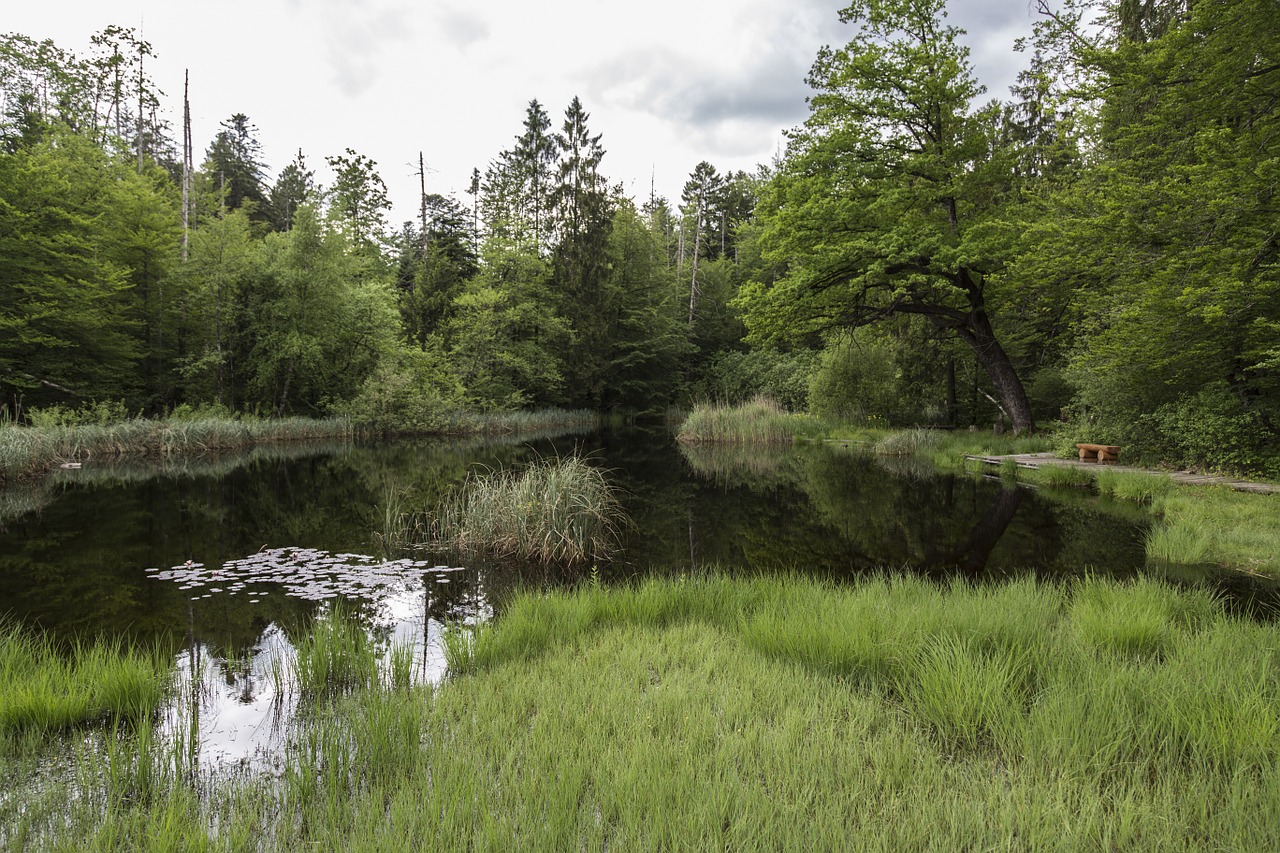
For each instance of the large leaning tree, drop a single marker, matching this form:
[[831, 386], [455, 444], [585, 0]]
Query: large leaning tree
[[890, 199]]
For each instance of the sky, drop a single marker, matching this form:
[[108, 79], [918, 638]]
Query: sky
[[667, 83]]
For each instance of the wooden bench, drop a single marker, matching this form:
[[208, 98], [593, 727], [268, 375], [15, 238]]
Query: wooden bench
[[1100, 453]]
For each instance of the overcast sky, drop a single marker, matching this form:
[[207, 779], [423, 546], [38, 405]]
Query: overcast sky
[[667, 83]]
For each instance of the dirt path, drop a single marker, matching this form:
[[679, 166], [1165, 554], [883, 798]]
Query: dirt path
[[1038, 460]]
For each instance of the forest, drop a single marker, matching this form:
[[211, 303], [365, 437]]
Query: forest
[[1095, 254]]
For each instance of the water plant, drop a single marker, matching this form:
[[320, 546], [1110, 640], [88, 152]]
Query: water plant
[[556, 510], [335, 655]]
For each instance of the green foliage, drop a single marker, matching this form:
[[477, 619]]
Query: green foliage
[[223, 269], [319, 321], [889, 201], [410, 391], [1209, 431], [856, 381], [505, 339], [734, 377], [101, 413], [65, 324]]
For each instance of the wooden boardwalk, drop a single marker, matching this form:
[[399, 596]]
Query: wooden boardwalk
[[1039, 460]]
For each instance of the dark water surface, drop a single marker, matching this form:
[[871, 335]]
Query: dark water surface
[[229, 559], [79, 562]]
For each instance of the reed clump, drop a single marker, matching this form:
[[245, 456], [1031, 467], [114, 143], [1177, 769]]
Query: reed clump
[[335, 656], [558, 510], [1140, 487], [758, 421], [909, 442]]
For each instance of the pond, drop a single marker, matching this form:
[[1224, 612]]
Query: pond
[[230, 559]]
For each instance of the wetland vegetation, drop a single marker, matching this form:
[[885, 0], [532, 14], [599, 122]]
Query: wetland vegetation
[[262, 594], [761, 713]]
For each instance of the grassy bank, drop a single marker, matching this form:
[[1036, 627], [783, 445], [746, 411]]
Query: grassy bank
[[31, 451], [1195, 524], [778, 714]]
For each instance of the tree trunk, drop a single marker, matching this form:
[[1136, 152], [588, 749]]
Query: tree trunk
[[979, 335]]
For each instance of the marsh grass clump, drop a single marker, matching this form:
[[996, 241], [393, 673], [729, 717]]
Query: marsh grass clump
[[758, 421], [968, 695], [1137, 618], [1180, 544], [1060, 476], [335, 656], [909, 442], [47, 691], [1139, 487], [560, 510]]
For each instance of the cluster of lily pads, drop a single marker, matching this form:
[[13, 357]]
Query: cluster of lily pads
[[303, 573]]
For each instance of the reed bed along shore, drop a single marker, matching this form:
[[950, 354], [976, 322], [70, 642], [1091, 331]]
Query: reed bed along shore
[[28, 451], [765, 714], [532, 422], [759, 421]]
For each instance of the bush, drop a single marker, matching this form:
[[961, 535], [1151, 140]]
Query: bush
[[410, 391], [97, 413], [736, 377], [856, 379], [1209, 430]]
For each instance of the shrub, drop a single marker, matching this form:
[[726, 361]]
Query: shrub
[[98, 413], [410, 391]]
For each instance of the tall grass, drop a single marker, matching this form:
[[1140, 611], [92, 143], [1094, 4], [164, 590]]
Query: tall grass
[[1140, 487], [335, 655], [560, 510], [759, 421], [909, 442], [26, 451], [533, 422], [48, 691]]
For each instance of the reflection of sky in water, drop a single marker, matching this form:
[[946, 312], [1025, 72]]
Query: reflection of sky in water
[[238, 712]]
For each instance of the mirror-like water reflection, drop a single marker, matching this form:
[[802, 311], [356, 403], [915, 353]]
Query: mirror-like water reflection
[[230, 560]]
